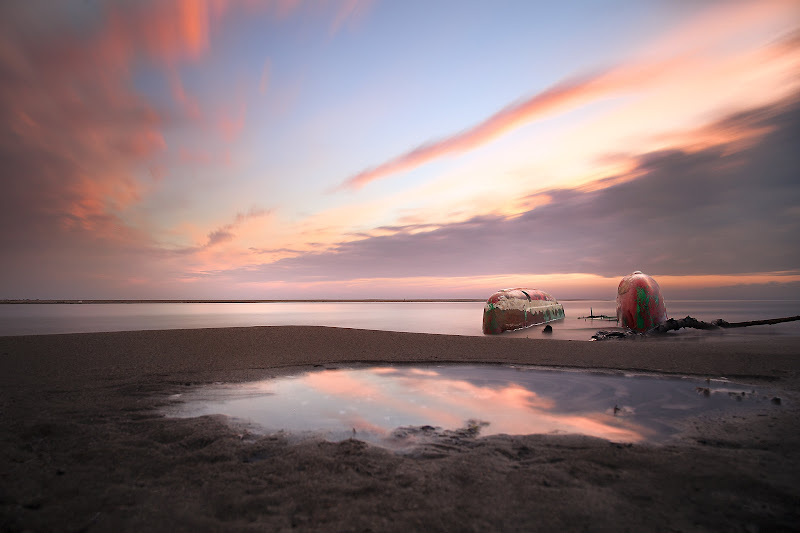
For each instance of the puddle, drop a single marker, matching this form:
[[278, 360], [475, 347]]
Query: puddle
[[400, 406]]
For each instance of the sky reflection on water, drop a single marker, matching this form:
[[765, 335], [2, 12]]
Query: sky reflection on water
[[371, 403]]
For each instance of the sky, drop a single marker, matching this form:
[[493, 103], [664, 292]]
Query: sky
[[378, 149]]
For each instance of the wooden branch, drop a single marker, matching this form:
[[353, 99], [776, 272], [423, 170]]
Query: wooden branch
[[688, 322], [674, 324], [723, 324]]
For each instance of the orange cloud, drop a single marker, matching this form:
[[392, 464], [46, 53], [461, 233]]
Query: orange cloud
[[193, 25], [735, 137], [168, 31]]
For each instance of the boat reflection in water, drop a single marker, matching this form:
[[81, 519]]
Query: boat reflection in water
[[372, 402]]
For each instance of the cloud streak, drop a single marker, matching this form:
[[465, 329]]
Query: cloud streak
[[225, 233], [582, 89], [557, 97], [569, 94], [687, 211]]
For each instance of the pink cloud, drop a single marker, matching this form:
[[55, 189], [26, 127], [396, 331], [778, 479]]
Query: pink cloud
[[82, 134], [78, 132], [84, 147], [263, 83], [553, 99], [231, 124], [349, 12], [200, 157], [565, 95], [226, 232], [168, 31], [179, 94], [81, 84]]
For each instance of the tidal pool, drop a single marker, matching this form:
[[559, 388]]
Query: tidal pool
[[399, 405]]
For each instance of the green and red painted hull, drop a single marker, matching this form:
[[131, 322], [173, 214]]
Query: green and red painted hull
[[640, 305], [511, 309]]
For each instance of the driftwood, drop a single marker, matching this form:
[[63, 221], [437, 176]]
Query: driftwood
[[597, 317], [673, 324], [689, 322], [721, 323], [605, 335]]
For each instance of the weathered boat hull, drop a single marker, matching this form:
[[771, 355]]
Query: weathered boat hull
[[640, 305], [511, 309]]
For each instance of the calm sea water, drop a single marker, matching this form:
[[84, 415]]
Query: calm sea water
[[453, 318], [372, 402]]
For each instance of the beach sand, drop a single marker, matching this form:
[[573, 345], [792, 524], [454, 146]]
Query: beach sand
[[84, 446]]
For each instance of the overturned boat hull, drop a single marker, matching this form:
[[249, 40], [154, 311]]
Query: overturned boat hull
[[511, 309], [640, 305]]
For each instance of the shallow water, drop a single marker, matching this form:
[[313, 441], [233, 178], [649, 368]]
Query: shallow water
[[371, 403]]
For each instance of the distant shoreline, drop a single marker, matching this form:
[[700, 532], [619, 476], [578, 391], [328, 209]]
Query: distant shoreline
[[323, 300], [370, 300]]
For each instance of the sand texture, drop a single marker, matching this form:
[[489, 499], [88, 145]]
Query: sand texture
[[83, 446]]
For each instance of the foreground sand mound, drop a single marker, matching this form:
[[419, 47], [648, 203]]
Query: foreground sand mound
[[84, 448]]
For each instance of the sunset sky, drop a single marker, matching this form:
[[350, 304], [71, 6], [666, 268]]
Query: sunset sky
[[398, 149]]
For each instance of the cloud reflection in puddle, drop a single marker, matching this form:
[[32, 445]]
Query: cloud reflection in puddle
[[371, 402]]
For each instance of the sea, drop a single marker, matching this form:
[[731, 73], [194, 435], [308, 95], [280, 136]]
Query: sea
[[439, 317]]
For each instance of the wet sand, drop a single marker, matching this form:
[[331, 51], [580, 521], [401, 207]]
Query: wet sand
[[83, 445]]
